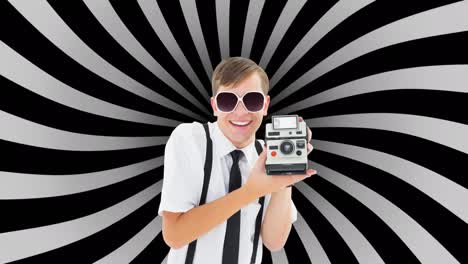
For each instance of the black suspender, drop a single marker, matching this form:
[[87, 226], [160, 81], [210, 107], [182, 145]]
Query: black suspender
[[206, 182], [258, 221]]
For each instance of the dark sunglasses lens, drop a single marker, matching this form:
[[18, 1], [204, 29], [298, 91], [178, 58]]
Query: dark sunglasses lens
[[226, 101], [253, 101]]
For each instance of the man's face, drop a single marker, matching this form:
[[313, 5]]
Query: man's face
[[241, 136]]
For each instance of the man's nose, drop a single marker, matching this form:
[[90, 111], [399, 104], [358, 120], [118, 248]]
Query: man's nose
[[240, 109]]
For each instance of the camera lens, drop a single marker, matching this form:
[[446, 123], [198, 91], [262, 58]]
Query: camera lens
[[287, 147]]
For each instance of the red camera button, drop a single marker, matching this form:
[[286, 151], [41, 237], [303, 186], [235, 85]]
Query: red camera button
[[273, 153]]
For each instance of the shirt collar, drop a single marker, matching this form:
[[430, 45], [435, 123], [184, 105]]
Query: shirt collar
[[224, 146]]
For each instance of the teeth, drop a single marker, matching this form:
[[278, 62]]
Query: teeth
[[240, 123]]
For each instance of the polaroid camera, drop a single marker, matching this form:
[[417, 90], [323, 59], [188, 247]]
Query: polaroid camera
[[286, 140]]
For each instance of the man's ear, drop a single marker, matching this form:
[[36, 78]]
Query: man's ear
[[267, 105], [213, 106]]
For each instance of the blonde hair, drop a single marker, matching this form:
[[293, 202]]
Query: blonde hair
[[233, 70]]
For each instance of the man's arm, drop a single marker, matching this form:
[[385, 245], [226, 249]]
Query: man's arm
[[277, 222], [179, 229]]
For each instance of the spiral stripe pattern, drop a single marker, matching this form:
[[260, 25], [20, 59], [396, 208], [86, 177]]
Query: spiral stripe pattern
[[91, 90]]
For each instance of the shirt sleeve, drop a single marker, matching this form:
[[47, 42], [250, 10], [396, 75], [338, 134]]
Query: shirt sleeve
[[181, 180]]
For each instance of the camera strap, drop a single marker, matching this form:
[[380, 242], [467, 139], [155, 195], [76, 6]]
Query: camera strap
[[206, 182]]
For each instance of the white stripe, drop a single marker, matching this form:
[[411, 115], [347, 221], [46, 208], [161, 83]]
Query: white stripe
[[222, 20], [189, 9], [110, 20], [287, 16], [279, 257], [439, 21], [451, 78], [44, 18], [310, 242], [251, 23], [444, 191], [29, 242], [423, 245], [15, 185], [130, 250], [334, 16], [155, 17], [16, 68], [165, 260], [453, 136], [359, 245], [22, 131]]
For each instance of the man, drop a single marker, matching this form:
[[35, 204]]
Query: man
[[233, 132]]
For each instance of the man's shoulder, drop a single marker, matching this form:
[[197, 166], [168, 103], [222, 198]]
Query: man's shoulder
[[190, 137], [189, 130], [189, 141]]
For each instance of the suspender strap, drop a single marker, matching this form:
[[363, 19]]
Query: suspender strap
[[258, 221], [206, 182]]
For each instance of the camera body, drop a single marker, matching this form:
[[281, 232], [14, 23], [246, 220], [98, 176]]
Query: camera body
[[286, 140]]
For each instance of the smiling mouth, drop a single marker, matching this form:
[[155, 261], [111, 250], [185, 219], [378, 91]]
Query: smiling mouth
[[240, 123]]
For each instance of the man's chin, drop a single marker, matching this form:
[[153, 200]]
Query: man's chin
[[241, 141]]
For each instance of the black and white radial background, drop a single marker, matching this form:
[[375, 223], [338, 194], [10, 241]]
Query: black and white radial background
[[91, 90]]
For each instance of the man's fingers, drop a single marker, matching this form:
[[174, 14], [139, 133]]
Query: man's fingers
[[263, 156], [299, 177], [260, 163], [309, 132], [309, 148]]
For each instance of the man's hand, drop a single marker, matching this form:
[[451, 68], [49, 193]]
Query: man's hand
[[309, 136], [261, 184], [277, 223]]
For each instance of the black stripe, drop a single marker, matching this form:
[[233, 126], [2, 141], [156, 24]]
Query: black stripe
[[399, 56], [387, 244], [100, 244], [43, 111], [332, 242], [80, 19], [369, 18], [443, 225], [207, 16], [131, 14], [295, 250], [270, 13], [436, 157], [174, 17], [430, 103], [55, 62], [46, 211], [310, 13], [266, 256], [237, 18], [155, 252], [28, 159]]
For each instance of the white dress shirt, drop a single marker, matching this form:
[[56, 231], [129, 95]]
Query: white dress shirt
[[184, 160]]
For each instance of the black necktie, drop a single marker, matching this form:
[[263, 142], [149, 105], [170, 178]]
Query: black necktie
[[231, 240]]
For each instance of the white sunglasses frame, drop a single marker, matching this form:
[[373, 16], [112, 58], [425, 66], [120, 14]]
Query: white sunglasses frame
[[239, 99]]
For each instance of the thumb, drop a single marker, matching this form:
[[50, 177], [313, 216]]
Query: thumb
[[262, 157]]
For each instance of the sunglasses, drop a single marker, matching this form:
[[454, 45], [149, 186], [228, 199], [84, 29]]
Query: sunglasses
[[227, 101]]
